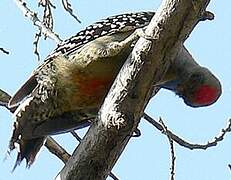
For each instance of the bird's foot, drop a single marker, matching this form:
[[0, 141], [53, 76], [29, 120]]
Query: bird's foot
[[136, 133]]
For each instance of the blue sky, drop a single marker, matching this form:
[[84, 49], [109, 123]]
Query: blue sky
[[146, 157]]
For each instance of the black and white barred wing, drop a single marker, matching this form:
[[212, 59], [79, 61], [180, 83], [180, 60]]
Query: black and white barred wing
[[108, 26]]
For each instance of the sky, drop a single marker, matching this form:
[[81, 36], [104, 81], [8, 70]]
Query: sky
[[145, 157]]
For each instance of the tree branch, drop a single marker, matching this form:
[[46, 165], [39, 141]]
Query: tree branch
[[173, 157], [68, 8], [76, 136], [57, 150], [48, 19], [33, 17], [186, 144], [4, 51], [123, 107], [36, 42]]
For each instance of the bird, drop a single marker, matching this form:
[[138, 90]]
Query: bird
[[66, 91]]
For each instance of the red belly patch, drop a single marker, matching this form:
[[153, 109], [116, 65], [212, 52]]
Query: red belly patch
[[95, 86]]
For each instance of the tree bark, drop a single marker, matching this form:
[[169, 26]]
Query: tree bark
[[124, 105]]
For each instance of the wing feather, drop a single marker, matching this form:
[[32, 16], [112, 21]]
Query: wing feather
[[23, 92]]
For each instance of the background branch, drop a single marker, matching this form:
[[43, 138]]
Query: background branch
[[57, 150], [172, 152], [68, 8], [48, 19], [36, 42], [34, 18], [186, 144], [4, 51], [76, 136]]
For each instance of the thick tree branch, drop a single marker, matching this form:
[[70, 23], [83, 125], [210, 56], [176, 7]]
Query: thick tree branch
[[124, 105]]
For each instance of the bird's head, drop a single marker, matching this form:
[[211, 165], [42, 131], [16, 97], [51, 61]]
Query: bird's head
[[200, 89]]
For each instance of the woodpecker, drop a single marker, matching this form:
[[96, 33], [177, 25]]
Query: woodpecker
[[66, 91]]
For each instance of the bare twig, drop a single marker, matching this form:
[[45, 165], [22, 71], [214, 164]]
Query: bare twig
[[68, 8], [57, 150], [229, 165], [4, 51], [76, 136], [48, 20], [186, 144], [113, 176], [173, 160], [33, 17], [42, 2], [173, 157], [36, 41]]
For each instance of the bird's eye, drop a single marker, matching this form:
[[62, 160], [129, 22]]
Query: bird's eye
[[196, 78]]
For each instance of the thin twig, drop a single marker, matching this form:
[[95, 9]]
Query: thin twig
[[48, 20], [33, 17], [173, 160], [79, 139], [42, 2], [57, 150], [229, 165], [186, 144], [173, 157], [68, 8], [36, 41], [4, 51], [113, 176]]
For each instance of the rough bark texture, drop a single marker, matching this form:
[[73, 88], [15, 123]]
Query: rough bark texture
[[129, 95]]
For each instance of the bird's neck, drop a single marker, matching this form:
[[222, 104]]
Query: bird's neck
[[180, 69], [184, 63]]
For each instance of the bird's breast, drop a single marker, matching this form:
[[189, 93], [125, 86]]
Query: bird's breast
[[90, 91]]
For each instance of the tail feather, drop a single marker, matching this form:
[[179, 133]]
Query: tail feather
[[28, 149]]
